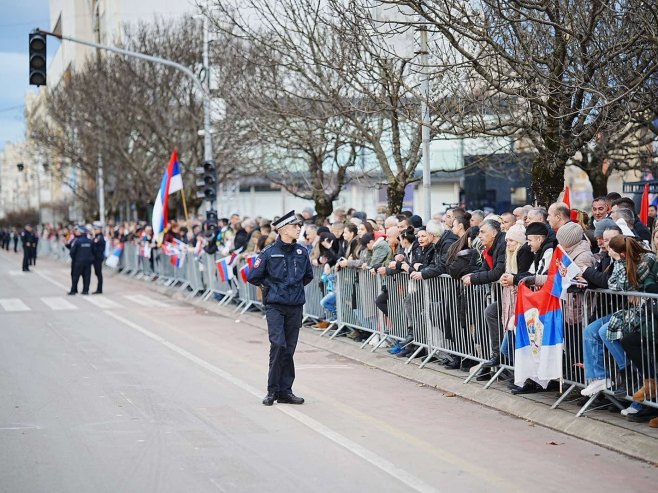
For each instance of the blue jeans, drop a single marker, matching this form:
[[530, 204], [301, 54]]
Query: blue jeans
[[329, 304], [594, 338], [507, 346]]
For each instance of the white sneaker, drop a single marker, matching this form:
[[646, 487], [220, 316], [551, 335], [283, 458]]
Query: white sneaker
[[630, 410], [595, 386]]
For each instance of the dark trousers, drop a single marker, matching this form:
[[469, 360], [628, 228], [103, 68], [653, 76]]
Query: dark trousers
[[15, 245], [80, 270], [492, 314], [98, 272], [33, 255], [26, 259], [283, 324], [642, 357]]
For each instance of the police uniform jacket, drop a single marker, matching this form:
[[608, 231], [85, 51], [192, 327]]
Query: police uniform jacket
[[282, 270], [82, 251], [27, 238]]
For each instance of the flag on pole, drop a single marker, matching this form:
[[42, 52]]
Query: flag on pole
[[224, 269], [540, 325], [644, 206], [244, 273], [172, 181], [251, 260], [566, 198]]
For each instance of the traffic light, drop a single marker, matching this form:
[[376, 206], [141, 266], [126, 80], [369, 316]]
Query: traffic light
[[37, 59], [207, 182]]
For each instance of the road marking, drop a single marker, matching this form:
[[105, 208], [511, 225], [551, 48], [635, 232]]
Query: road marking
[[59, 303], [51, 281], [144, 300], [14, 305], [360, 451], [17, 273], [101, 302]]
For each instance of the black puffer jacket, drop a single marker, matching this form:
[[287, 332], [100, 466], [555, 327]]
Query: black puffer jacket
[[438, 265], [485, 275]]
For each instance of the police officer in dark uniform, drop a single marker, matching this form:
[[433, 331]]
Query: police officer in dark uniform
[[82, 256], [99, 257], [282, 270], [27, 240]]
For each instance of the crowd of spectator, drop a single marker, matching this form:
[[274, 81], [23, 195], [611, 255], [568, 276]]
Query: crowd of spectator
[[612, 249]]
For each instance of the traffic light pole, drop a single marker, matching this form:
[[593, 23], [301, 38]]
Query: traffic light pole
[[207, 136]]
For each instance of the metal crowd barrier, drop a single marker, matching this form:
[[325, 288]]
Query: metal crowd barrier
[[442, 314], [314, 292]]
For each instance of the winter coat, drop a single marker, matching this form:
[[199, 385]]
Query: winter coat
[[438, 265], [486, 275]]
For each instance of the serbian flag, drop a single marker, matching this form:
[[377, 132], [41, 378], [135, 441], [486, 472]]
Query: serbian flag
[[224, 269], [172, 181], [644, 206], [561, 273], [244, 273], [540, 329]]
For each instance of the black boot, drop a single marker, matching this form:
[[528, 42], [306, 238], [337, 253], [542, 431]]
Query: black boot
[[269, 399]]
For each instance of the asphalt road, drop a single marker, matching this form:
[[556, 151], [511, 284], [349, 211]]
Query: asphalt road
[[133, 391]]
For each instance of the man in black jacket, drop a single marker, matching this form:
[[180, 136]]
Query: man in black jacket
[[28, 240], [98, 248], [82, 257], [491, 270]]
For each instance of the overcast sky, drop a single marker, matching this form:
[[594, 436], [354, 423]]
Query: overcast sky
[[18, 19]]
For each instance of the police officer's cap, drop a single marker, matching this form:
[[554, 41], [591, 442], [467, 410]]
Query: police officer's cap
[[285, 220]]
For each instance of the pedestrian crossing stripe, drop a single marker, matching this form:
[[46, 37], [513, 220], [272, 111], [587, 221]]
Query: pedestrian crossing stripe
[[101, 302], [144, 300], [59, 303], [13, 305]]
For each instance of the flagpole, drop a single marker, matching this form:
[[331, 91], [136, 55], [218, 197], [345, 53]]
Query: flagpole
[[182, 192]]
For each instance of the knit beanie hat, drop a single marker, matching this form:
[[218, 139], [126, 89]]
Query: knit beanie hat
[[569, 235], [416, 221], [516, 233], [540, 229], [602, 225]]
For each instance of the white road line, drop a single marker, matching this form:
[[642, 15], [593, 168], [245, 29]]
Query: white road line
[[51, 281], [371, 457], [59, 303], [101, 302], [144, 300], [17, 273], [14, 305]]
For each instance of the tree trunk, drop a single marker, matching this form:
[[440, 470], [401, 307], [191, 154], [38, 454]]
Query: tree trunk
[[597, 178], [395, 194], [547, 179], [323, 208]]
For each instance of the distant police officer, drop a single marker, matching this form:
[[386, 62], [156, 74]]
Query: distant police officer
[[82, 256], [99, 256], [282, 270], [27, 240]]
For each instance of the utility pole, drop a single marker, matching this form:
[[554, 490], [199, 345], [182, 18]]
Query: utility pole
[[100, 181], [427, 177]]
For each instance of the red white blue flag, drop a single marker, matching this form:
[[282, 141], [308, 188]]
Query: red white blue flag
[[172, 181], [540, 326], [225, 269]]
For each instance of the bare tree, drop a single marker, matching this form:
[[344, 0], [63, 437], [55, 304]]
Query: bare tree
[[557, 72], [134, 114], [331, 61]]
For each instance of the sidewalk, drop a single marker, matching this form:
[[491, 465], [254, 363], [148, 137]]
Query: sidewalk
[[602, 427]]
